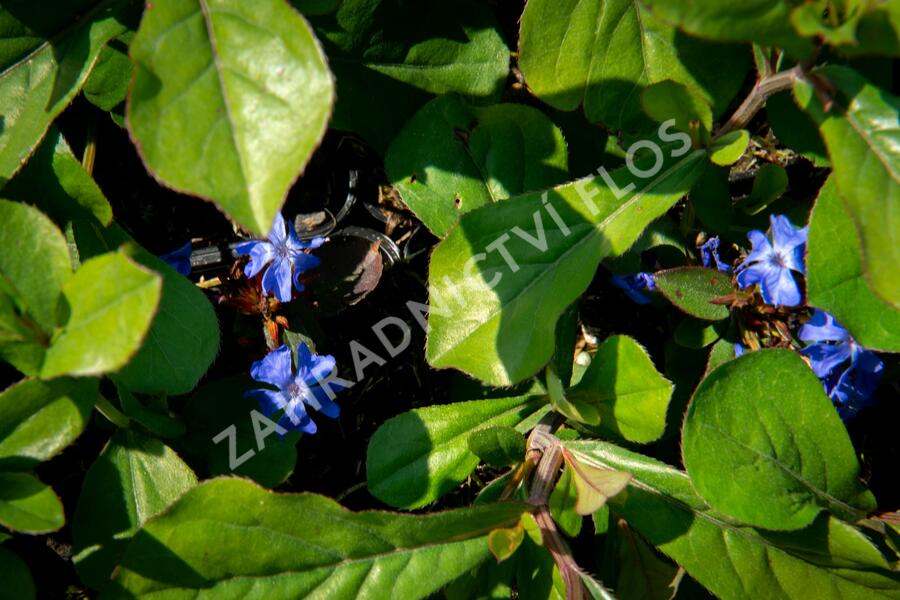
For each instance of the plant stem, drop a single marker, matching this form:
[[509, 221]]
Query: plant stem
[[543, 441], [764, 88], [90, 145], [113, 415]]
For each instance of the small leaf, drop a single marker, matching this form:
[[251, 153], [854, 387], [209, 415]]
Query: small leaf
[[473, 156], [562, 503], [107, 87], [747, 428], [498, 446], [692, 333], [671, 100], [420, 455], [770, 183], [228, 101], [834, 276], [156, 422], [504, 542], [693, 290], [594, 485], [299, 541], [40, 418], [727, 149], [17, 581], [27, 505], [135, 478], [626, 389], [862, 133], [109, 298]]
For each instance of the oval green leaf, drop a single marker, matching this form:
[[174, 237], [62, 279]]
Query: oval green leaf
[[29, 506], [694, 290]]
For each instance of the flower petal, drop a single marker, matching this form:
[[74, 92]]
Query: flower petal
[[318, 369], [278, 235], [277, 279], [270, 401], [824, 358], [822, 327], [753, 274], [274, 368], [322, 403], [261, 254], [779, 288], [785, 236], [180, 259], [761, 248]]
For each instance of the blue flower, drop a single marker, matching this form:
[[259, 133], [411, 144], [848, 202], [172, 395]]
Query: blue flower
[[634, 284], [739, 350], [770, 264], [180, 259], [849, 372], [709, 253], [286, 253], [295, 391]]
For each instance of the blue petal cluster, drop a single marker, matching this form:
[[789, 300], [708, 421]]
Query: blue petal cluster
[[709, 254], [633, 285], [180, 259], [297, 390], [286, 256], [770, 263], [849, 372]]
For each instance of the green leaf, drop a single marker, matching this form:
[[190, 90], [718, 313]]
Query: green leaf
[[420, 455], [763, 444], [303, 546], [692, 333], [562, 503], [40, 418], [862, 133], [34, 262], [796, 129], [389, 57], [766, 22], [594, 485], [451, 158], [711, 199], [829, 560], [504, 542], [769, 184], [54, 180], [109, 298], [184, 338], [601, 55], [157, 422], [497, 445], [642, 573], [27, 505], [671, 100], [626, 389], [727, 149], [496, 319], [228, 101], [17, 581], [48, 51], [107, 87], [834, 276], [694, 289], [216, 407], [134, 479]]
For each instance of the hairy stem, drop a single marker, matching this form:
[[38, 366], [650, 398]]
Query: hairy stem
[[765, 87]]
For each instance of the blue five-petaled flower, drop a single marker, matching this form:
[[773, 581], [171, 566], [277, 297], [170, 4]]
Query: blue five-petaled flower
[[286, 253], [297, 390], [709, 254], [770, 263], [849, 372], [633, 285]]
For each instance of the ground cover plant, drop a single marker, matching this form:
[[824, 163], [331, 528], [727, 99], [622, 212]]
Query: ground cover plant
[[473, 299]]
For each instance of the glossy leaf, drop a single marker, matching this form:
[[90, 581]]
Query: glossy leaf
[[216, 407], [27, 505], [769, 184], [420, 455], [763, 423], [34, 263], [602, 55], [495, 318], [727, 149], [318, 549], [388, 58], [107, 87], [52, 47], [451, 158], [184, 338], [228, 101], [135, 478], [498, 446], [835, 280], [862, 133], [626, 389], [504, 542], [692, 333], [829, 560], [157, 422], [693, 290], [766, 22], [109, 298], [54, 181], [642, 573], [671, 100], [17, 581], [562, 503], [40, 418], [594, 485]]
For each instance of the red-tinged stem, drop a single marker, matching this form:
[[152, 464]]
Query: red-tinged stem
[[765, 87]]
